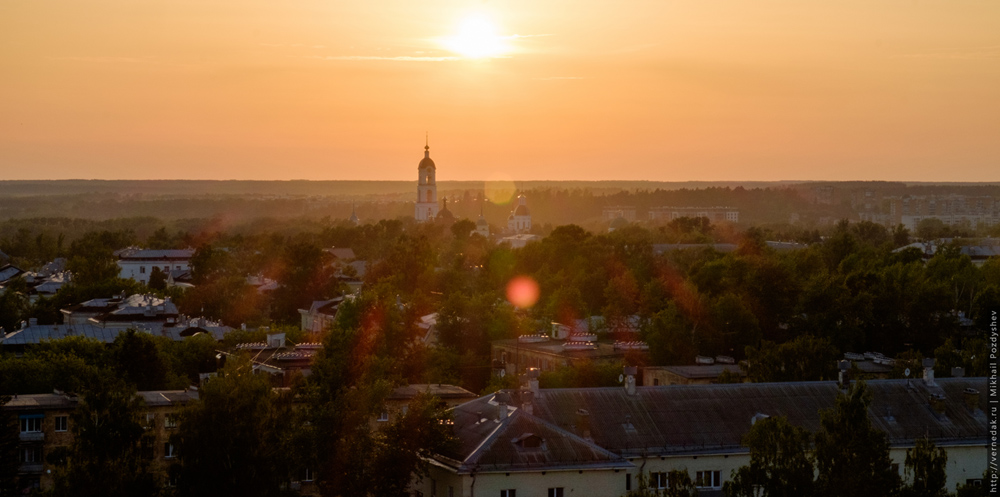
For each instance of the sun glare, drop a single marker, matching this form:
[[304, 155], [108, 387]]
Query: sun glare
[[476, 38]]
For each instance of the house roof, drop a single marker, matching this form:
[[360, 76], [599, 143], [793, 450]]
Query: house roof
[[31, 335], [701, 371], [714, 418], [137, 254], [343, 253], [43, 401], [9, 271], [437, 390], [489, 443]]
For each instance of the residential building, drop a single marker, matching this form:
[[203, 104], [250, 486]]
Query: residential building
[[320, 315], [138, 264], [397, 402], [519, 241], [45, 424], [612, 212], [596, 441], [714, 214], [513, 356], [696, 374], [952, 210]]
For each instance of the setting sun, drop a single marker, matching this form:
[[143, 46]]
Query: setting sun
[[476, 38]]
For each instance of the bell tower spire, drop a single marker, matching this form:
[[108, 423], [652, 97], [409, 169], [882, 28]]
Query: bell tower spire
[[426, 207]]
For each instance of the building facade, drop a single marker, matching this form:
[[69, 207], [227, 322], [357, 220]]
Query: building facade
[[137, 264], [519, 220], [714, 214]]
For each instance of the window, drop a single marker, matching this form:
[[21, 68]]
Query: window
[[895, 467], [434, 487], [508, 493], [31, 455], [32, 424], [168, 450], [658, 480], [628, 481], [170, 421], [307, 475], [556, 492], [708, 479], [451, 491], [383, 416], [62, 423], [142, 269], [150, 421], [974, 482], [656, 382]]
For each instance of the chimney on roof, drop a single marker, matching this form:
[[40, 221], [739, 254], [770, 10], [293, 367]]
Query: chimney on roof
[[532, 375], [971, 396], [502, 398], [630, 372], [929, 371], [844, 379], [583, 423], [527, 398], [32, 321]]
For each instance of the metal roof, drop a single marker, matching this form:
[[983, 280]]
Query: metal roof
[[707, 418], [489, 443]]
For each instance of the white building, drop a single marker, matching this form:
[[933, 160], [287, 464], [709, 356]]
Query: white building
[[714, 214], [137, 264], [597, 441], [427, 202], [519, 220]]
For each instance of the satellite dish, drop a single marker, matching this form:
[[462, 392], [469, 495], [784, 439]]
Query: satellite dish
[[906, 373], [621, 378], [503, 372]]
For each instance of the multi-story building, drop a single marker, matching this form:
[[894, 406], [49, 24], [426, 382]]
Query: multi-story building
[[45, 424], [714, 214], [612, 212], [953, 210]]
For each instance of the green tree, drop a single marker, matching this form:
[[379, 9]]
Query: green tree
[[925, 470], [236, 439], [137, 360], [105, 458], [780, 464], [852, 456]]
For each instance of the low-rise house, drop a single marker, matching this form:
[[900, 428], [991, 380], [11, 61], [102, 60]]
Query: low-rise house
[[397, 402], [137, 264], [539, 351], [320, 315], [697, 374]]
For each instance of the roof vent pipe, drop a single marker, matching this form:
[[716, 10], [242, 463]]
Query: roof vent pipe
[[844, 379], [929, 371], [630, 372]]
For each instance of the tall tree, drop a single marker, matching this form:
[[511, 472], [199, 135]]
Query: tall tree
[[925, 470], [236, 439], [105, 458], [780, 464], [852, 456]]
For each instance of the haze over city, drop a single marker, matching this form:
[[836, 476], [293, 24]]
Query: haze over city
[[585, 90]]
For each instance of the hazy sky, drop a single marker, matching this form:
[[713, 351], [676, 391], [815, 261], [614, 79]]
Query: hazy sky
[[663, 90]]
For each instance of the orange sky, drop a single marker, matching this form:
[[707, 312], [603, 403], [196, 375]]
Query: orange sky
[[669, 90]]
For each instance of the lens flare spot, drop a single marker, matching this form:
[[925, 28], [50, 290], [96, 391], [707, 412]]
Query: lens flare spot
[[522, 291]]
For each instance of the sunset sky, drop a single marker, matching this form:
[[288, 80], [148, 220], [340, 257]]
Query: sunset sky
[[669, 90]]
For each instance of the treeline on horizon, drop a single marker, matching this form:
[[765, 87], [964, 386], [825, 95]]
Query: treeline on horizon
[[552, 203]]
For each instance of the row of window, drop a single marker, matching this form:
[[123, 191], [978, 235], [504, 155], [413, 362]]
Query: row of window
[[33, 424], [142, 269]]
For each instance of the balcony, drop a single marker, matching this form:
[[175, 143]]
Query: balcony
[[32, 436]]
